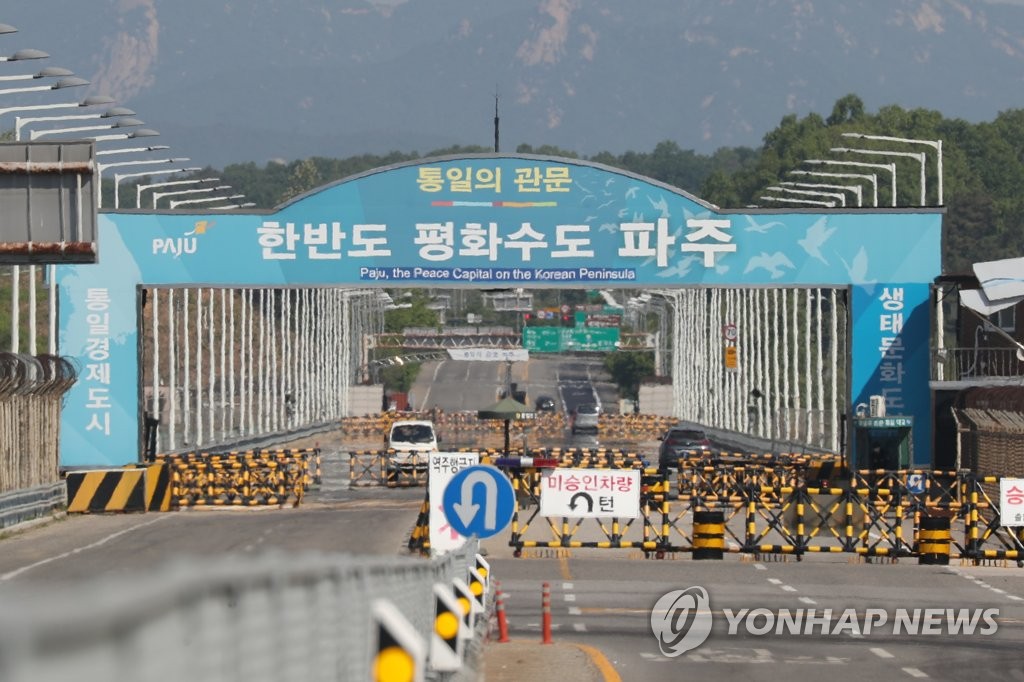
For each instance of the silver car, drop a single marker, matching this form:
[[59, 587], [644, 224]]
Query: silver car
[[586, 418]]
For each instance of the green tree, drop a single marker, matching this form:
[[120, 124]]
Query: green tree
[[628, 370]]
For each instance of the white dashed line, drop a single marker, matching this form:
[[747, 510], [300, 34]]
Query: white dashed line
[[570, 597], [808, 600], [579, 627], [788, 588], [567, 586], [774, 581], [575, 611], [881, 653], [761, 567], [914, 672]]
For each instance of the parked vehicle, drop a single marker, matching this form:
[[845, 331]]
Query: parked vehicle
[[586, 417], [679, 442], [545, 403], [412, 440]]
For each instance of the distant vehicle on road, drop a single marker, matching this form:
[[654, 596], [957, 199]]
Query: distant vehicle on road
[[586, 417], [412, 440], [678, 442], [545, 403]]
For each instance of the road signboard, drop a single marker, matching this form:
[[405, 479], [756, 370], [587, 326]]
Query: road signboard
[[590, 493], [479, 501], [915, 483], [443, 468], [731, 358], [729, 332], [490, 354], [1011, 502]]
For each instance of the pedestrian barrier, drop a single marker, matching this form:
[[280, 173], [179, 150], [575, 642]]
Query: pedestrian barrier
[[777, 509], [250, 478]]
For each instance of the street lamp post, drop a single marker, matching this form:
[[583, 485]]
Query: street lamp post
[[919, 156], [95, 101], [69, 82], [48, 72], [872, 178], [122, 123], [100, 167], [934, 144], [132, 150], [891, 167], [856, 189], [207, 200], [113, 112], [22, 55], [157, 196], [840, 198], [791, 200], [139, 189], [118, 177]]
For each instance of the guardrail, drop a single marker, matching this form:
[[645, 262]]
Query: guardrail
[[272, 617]]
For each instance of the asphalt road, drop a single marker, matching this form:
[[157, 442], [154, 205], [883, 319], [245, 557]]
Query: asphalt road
[[600, 598]]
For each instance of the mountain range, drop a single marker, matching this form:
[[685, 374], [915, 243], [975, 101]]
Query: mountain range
[[229, 81]]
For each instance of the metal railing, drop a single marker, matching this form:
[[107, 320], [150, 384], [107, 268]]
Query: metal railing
[[985, 365], [271, 617]]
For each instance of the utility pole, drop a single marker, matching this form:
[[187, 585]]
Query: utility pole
[[497, 149]]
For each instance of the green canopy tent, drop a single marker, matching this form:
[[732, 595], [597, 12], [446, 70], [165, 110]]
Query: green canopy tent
[[507, 410]]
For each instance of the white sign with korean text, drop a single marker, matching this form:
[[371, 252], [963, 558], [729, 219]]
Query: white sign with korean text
[[590, 493], [443, 467], [490, 354], [1011, 502]]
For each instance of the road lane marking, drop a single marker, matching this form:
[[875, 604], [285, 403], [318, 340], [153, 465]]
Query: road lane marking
[[570, 597], [761, 567], [579, 627], [567, 586], [774, 581], [77, 550], [601, 662], [808, 600], [881, 653], [788, 588], [914, 672], [563, 567], [575, 611]]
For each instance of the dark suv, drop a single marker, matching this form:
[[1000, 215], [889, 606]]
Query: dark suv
[[679, 442], [545, 403]]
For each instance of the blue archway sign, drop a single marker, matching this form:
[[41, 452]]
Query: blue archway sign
[[485, 220], [479, 501]]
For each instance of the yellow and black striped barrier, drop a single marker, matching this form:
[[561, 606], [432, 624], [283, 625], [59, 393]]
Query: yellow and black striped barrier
[[708, 534], [933, 540], [107, 490]]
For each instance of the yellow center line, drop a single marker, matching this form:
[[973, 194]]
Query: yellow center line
[[602, 663], [563, 565]]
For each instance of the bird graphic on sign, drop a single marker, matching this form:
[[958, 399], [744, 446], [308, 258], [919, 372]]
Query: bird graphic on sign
[[754, 226], [817, 235], [773, 263], [200, 227]]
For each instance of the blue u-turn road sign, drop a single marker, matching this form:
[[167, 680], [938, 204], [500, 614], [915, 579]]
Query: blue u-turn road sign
[[479, 501]]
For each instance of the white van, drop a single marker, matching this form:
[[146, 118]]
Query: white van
[[412, 440]]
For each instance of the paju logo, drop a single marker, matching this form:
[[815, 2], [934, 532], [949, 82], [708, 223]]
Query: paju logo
[[176, 246], [681, 620]]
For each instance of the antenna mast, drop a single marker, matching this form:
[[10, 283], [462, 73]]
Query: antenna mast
[[496, 147]]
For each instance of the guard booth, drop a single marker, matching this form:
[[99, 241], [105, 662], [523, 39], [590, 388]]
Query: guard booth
[[883, 443]]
